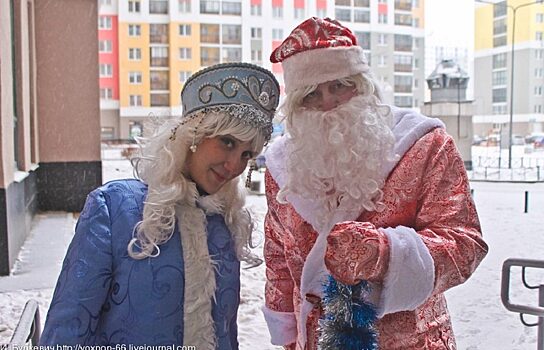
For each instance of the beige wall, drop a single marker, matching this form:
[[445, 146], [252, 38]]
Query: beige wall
[[66, 31], [6, 97]]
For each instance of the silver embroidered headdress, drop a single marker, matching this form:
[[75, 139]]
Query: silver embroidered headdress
[[244, 91]]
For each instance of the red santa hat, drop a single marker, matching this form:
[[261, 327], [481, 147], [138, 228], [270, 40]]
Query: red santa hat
[[319, 50]]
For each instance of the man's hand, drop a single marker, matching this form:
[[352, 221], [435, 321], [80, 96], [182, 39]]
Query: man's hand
[[357, 251]]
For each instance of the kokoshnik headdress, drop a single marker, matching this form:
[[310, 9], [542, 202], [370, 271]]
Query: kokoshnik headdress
[[242, 90]]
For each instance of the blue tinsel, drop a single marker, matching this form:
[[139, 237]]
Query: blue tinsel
[[348, 322]]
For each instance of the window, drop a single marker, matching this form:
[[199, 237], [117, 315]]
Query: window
[[277, 34], [184, 6], [209, 6], [382, 39], [300, 13], [158, 33], [499, 41], [403, 83], [257, 10], [105, 2], [160, 99], [159, 56], [209, 33], [499, 60], [185, 53], [158, 7], [538, 90], [106, 93], [277, 11], [403, 101], [209, 56], [232, 34], [403, 63], [343, 15], [539, 54], [135, 100], [363, 39], [499, 109], [134, 6], [135, 77], [184, 75], [382, 18], [232, 54], [134, 30], [382, 60], [539, 72], [403, 5], [499, 95], [134, 54], [231, 8], [104, 46], [403, 42], [498, 78], [361, 16], [499, 26], [538, 36], [256, 33], [539, 18], [256, 56], [184, 29], [342, 2], [159, 80], [402, 19], [500, 9], [361, 3], [104, 22], [106, 70]]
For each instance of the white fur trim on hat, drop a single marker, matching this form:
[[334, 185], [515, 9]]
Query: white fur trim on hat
[[410, 277], [281, 325], [317, 66]]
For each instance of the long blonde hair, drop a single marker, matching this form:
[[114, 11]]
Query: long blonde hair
[[161, 166]]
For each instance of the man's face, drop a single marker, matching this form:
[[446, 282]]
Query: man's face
[[329, 95]]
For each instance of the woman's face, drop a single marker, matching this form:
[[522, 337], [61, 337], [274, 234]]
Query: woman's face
[[329, 95], [217, 160]]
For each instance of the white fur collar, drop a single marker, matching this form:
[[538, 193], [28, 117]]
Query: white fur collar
[[200, 284]]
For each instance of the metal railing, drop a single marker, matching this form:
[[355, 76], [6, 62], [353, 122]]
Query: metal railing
[[28, 327], [524, 309], [489, 173]]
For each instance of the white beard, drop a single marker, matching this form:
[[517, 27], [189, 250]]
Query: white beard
[[335, 158]]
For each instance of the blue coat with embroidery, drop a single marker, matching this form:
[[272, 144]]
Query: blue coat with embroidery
[[105, 297]]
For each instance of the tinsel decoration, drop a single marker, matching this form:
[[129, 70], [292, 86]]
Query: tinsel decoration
[[348, 322]]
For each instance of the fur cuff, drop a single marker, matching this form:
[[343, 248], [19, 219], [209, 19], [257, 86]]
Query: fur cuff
[[320, 65], [410, 278], [281, 325]]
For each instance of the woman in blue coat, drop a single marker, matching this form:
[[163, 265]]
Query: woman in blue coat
[[156, 261]]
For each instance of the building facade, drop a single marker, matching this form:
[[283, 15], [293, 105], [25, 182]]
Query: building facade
[[49, 112], [148, 48], [494, 53]]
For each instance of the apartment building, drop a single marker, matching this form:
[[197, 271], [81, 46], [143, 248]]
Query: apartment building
[[494, 53], [148, 48]]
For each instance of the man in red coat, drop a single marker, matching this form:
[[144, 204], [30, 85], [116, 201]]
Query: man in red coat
[[361, 191]]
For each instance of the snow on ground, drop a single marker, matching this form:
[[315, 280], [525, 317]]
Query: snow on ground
[[479, 319]]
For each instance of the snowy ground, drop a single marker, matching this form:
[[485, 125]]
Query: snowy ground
[[480, 321]]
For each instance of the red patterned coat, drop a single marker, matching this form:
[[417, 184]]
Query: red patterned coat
[[427, 194]]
